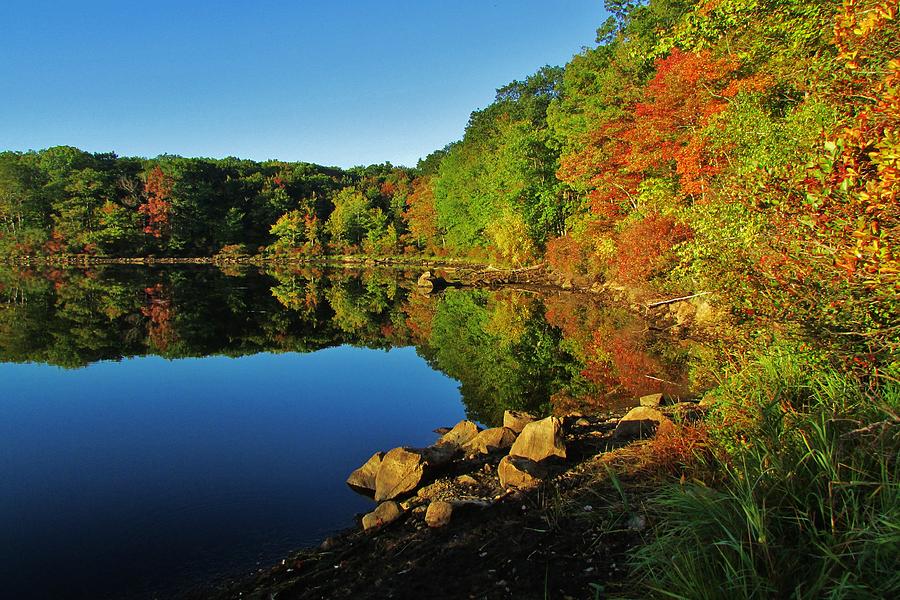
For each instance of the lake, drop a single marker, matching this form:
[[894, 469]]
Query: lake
[[161, 428]]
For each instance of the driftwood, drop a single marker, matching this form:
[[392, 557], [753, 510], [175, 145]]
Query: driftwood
[[492, 275], [673, 300]]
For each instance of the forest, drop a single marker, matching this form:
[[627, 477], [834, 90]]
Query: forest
[[747, 148]]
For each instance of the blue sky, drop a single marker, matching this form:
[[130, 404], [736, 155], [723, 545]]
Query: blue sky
[[339, 83]]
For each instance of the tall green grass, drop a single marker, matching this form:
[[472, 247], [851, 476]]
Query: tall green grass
[[801, 501]]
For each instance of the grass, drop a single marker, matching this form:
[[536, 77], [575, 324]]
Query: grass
[[798, 498]]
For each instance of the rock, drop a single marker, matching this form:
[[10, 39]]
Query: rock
[[461, 433], [652, 400], [438, 513], [428, 282], [518, 472], [539, 440], [364, 477], [516, 420], [441, 455], [442, 430], [425, 279], [466, 480], [489, 440], [386, 512], [400, 472], [582, 422], [639, 422], [327, 544], [430, 491]]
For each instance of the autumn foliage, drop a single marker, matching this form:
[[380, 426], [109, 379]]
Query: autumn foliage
[[157, 207], [645, 245]]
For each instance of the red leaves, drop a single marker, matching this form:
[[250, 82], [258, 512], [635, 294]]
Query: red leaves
[[156, 209], [644, 245], [659, 136], [678, 103]]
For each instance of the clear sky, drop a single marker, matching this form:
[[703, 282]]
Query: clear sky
[[342, 83]]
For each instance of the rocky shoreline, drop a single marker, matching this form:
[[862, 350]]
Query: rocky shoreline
[[445, 515]]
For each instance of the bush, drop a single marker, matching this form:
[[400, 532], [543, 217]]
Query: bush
[[644, 247], [804, 501]]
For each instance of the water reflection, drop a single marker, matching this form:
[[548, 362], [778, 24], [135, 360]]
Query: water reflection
[[507, 348], [165, 426]]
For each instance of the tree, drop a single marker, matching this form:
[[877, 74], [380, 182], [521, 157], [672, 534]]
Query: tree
[[157, 207]]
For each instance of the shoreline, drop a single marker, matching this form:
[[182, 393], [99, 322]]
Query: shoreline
[[567, 535]]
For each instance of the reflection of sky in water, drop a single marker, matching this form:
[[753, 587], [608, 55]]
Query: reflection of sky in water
[[150, 471]]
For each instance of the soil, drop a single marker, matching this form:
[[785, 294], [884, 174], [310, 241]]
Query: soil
[[567, 538]]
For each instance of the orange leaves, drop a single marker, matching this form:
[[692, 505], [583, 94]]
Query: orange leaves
[[643, 247], [156, 208], [856, 24], [159, 312], [685, 93], [659, 136], [421, 214]]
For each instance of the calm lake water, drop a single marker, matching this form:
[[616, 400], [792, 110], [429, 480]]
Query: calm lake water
[[163, 428]]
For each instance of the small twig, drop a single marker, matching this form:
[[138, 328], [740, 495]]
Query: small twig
[[661, 380], [661, 302]]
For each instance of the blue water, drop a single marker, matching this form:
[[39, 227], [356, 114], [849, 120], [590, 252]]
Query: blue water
[[141, 477]]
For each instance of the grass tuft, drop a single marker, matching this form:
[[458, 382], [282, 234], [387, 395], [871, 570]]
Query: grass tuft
[[801, 498]]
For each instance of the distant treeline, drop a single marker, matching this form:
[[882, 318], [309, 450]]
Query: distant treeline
[[745, 147]]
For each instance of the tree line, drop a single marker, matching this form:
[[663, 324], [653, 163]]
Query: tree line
[[745, 147]]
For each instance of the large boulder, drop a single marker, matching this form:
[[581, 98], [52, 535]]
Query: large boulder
[[517, 420], [384, 513], [490, 440], [518, 472], [363, 478], [438, 513], [540, 440], [401, 471], [461, 433], [640, 422]]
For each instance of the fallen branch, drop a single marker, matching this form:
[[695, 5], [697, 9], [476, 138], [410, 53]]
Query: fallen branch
[[662, 302]]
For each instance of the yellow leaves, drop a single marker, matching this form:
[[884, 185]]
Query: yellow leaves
[[510, 236], [855, 24]]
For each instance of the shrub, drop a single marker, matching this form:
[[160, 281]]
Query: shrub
[[644, 247], [805, 501]]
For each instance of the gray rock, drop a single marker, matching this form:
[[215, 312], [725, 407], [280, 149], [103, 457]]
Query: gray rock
[[461, 433], [540, 440], [441, 455], [652, 400], [425, 279], [386, 512], [364, 477]]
